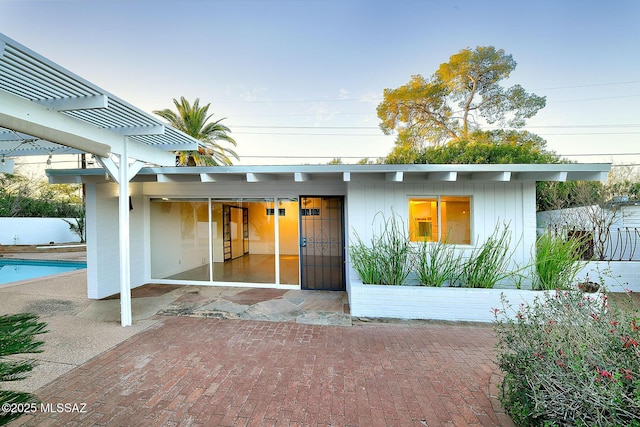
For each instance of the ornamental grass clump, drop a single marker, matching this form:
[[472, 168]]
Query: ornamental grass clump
[[488, 264], [569, 359], [557, 262], [436, 264], [387, 260]]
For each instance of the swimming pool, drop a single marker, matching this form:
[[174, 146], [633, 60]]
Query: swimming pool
[[13, 270]]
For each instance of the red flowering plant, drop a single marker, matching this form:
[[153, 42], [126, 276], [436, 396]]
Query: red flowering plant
[[570, 359]]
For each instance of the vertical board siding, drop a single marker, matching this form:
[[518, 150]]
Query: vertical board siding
[[103, 247], [492, 202], [104, 243]]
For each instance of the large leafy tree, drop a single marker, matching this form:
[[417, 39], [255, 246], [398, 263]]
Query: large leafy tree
[[193, 120], [22, 196], [456, 100], [496, 146], [491, 147]]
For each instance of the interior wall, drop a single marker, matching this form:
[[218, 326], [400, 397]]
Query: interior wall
[[178, 236], [289, 228], [261, 228], [217, 242]]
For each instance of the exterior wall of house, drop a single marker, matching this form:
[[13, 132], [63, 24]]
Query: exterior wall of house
[[103, 253], [103, 274], [493, 203]]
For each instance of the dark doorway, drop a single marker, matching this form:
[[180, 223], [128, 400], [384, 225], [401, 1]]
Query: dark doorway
[[235, 230], [322, 243]]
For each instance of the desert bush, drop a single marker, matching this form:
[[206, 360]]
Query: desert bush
[[557, 262], [570, 359]]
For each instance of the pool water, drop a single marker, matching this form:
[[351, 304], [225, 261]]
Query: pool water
[[13, 270]]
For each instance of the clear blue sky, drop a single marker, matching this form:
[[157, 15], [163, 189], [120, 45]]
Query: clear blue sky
[[304, 77]]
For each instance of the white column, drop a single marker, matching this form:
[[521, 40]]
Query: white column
[[123, 230], [276, 226]]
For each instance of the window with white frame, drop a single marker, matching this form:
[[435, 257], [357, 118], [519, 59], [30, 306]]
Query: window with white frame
[[445, 219]]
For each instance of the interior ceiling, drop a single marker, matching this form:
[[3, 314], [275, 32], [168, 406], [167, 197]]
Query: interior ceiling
[[32, 77]]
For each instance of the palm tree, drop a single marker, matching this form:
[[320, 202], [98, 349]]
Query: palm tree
[[192, 120]]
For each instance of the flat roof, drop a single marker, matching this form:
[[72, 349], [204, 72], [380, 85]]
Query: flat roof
[[346, 173]]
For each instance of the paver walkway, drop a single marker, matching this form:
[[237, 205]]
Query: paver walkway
[[195, 371]]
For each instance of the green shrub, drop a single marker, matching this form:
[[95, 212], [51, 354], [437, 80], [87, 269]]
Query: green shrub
[[388, 258], [570, 359], [17, 336], [557, 262], [488, 264], [436, 264]]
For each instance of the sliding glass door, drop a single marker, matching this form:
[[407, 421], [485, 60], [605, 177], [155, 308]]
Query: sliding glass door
[[249, 240]]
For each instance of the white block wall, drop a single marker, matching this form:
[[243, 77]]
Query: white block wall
[[36, 231], [617, 276], [430, 303]]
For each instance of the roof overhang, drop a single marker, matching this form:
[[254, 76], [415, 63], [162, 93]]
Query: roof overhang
[[46, 109], [353, 173]]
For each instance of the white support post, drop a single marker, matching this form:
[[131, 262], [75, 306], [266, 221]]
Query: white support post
[[276, 230], [123, 230]]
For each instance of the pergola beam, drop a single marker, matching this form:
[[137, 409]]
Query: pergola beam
[[88, 102], [22, 115]]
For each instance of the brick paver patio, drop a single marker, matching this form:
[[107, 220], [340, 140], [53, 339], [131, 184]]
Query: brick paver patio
[[209, 372]]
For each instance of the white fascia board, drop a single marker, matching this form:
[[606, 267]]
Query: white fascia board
[[587, 176], [67, 179], [25, 116], [542, 176]]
